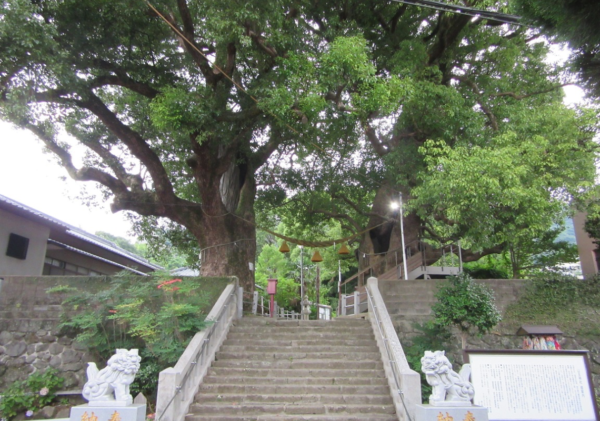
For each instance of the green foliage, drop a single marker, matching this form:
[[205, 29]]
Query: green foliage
[[489, 193], [492, 266], [550, 298], [33, 394], [331, 104], [431, 337], [122, 242], [466, 305], [158, 315], [574, 22]]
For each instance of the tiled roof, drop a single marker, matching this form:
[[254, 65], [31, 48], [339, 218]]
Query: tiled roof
[[85, 253], [79, 233]]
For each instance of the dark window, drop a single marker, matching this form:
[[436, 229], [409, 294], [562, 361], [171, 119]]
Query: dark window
[[17, 246]]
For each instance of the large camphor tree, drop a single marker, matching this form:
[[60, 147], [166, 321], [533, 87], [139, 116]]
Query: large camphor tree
[[190, 111], [463, 116]]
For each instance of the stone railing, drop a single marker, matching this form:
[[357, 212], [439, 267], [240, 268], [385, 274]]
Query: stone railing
[[404, 382], [178, 385]]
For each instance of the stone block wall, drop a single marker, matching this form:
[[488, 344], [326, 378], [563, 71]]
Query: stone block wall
[[30, 338], [409, 302]]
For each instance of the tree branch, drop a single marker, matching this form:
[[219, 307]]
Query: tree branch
[[125, 82], [260, 41], [188, 34], [374, 139], [487, 111], [523, 96], [136, 144], [82, 174]]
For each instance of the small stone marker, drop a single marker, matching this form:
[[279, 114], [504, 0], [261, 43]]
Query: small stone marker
[[140, 399]]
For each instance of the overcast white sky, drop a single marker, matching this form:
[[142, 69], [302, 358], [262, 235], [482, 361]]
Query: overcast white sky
[[28, 175]]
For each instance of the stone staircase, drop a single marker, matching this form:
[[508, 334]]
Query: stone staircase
[[296, 370]]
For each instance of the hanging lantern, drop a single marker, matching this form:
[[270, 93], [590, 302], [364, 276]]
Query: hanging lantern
[[343, 250], [284, 247], [316, 258]]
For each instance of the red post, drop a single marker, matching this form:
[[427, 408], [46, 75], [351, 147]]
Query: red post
[[272, 290]]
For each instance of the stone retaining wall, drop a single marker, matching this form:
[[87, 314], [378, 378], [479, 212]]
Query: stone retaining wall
[[30, 339], [409, 302]]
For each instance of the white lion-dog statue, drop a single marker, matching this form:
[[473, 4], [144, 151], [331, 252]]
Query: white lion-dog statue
[[448, 387], [111, 384]]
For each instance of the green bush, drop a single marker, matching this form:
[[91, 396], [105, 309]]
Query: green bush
[[572, 304], [158, 315], [38, 391], [467, 305]]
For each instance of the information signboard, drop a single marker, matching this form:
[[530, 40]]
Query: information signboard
[[533, 385]]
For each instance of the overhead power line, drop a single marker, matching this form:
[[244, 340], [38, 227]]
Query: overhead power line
[[463, 10]]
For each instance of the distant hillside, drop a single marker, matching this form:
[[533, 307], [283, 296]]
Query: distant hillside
[[568, 234]]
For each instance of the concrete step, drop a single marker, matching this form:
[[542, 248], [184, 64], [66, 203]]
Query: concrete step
[[301, 364], [284, 378], [297, 390], [371, 347], [349, 371], [333, 327], [299, 409], [300, 336], [348, 355], [296, 370], [255, 321], [262, 330], [283, 417], [292, 341], [294, 399]]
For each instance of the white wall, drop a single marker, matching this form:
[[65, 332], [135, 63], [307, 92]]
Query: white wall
[[38, 236]]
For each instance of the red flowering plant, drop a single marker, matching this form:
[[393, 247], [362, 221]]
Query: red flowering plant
[[158, 314], [165, 285]]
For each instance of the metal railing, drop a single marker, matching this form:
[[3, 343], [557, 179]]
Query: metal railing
[[259, 308], [406, 382], [178, 385], [417, 253], [353, 303], [288, 314]]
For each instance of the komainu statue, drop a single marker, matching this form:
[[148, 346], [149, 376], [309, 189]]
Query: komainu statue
[[111, 384], [448, 387]]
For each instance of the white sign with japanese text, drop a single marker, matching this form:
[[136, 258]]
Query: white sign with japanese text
[[549, 386]]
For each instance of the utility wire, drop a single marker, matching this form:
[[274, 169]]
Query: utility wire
[[464, 10]]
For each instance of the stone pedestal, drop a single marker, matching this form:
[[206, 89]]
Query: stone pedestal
[[451, 413], [135, 412]]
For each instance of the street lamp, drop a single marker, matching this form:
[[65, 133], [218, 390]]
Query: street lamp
[[399, 207], [316, 258], [342, 251]]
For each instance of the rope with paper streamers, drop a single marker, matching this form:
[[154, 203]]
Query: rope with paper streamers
[[304, 243]]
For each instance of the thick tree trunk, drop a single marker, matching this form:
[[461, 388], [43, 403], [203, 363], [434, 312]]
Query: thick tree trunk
[[225, 230], [381, 247], [228, 249]]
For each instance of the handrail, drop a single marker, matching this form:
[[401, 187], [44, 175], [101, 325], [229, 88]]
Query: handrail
[[387, 339], [178, 385], [356, 275]]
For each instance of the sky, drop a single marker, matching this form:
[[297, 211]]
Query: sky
[[29, 176]]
